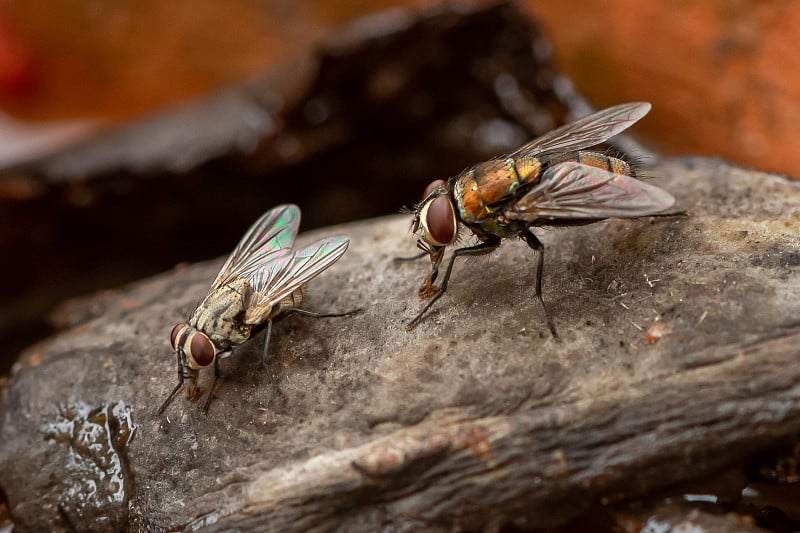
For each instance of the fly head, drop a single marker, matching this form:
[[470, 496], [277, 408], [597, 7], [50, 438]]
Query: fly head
[[435, 220], [194, 351]]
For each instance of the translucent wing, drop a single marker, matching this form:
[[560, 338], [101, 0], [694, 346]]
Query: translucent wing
[[587, 131], [581, 192], [285, 274], [263, 242]]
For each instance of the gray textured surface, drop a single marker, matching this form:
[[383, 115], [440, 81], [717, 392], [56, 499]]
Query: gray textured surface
[[476, 418]]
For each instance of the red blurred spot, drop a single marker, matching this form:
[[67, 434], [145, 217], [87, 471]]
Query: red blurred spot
[[19, 74]]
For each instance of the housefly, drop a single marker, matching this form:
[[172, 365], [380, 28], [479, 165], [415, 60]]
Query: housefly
[[262, 280], [551, 181]]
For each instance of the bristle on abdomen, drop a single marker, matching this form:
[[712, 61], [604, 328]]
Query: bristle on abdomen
[[596, 159], [599, 160]]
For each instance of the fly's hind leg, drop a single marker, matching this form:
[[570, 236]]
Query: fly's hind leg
[[313, 314], [537, 245], [265, 351], [303, 312]]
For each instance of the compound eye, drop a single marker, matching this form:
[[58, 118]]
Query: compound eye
[[440, 221], [432, 186], [202, 350], [173, 337]]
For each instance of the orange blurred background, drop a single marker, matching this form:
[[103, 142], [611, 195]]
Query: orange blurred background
[[723, 75]]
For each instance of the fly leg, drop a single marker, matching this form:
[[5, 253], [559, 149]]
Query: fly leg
[[312, 314], [478, 249], [537, 245], [323, 315], [425, 252], [410, 258], [266, 345], [299, 312], [265, 352], [174, 391], [213, 386]]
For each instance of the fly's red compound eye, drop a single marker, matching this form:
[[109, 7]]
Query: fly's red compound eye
[[440, 222], [432, 186], [202, 351], [173, 337]]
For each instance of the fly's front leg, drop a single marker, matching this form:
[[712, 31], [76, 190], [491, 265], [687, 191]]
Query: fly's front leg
[[213, 386], [410, 258], [425, 251], [537, 245], [428, 289], [478, 249], [174, 391], [436, 253]]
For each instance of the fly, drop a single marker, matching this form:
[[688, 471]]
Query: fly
[[262, 280], [551, 181]]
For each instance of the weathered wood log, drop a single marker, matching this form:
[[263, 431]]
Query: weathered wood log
[[475, 419]]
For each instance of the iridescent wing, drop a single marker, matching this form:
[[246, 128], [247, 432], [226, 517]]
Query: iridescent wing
[[587, 131], [580, 192], [284, 275], [269, 238]]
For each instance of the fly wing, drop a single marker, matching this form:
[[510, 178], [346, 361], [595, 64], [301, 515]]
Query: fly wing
[[274, 231], [587, 131], [289, 272], [572, 191]]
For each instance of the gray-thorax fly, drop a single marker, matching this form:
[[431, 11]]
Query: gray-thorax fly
[[262, 280]]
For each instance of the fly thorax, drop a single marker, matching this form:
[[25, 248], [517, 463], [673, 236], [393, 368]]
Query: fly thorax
[[220, 314], [481, 190], [238, 333]]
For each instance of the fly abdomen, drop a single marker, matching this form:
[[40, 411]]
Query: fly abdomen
[[293, 301], [614, 165], [590, 158]]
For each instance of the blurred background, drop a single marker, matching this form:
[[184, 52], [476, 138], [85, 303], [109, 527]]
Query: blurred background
[[138, 135]]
